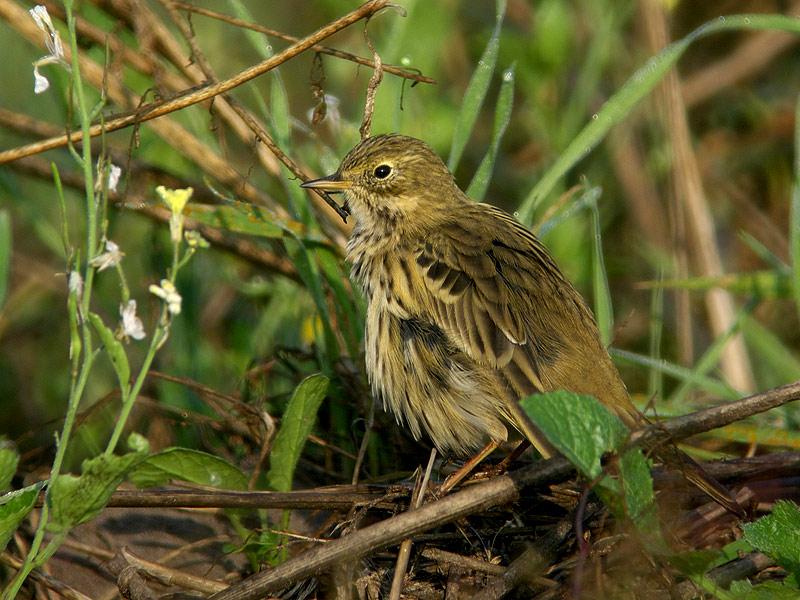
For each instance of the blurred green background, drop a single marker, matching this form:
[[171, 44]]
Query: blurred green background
[[251, 328]]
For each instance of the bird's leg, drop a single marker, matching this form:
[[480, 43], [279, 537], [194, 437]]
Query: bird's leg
[[504, 464], [458, 476]]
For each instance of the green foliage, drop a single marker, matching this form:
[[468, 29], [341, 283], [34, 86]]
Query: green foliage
[[777, 536], [77, 499], [9, 459], [298, 419], [14, 507], [185, 464]]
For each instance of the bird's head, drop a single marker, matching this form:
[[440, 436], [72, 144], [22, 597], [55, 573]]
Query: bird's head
[[391, 180]]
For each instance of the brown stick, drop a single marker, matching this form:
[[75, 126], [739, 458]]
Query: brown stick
[[195, 96]]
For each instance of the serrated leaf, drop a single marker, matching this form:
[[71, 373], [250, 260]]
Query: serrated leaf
[[296, 424], [9, 459], [578, 426], [185, 464], [770, 590], [502, 116], [476, 91], [14, 507], [777, 535], [115, 350], [77, 499]]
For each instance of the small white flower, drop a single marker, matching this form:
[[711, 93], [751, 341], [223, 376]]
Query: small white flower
[[54, 46], [131, 324], [167, 292], [75, 283], [110, 258]]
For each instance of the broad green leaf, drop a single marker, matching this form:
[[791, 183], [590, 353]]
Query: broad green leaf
[[5, 254], [602, 295], [296, 424], [184, 464], [14, 507], [502, 116], [77, 499], [476, 91], [578, 426], [778, 535], [763, 285], [241, 217], [712, 386], [637, 484], [9, 459], [115, 350], [620, 105]]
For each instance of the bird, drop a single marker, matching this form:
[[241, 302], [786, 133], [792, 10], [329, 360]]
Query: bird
[[467, 311]]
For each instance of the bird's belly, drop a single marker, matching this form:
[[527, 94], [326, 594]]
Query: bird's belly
[[428, 384]]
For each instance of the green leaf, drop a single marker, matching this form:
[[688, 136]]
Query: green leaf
[[637, 483], [14, 507], [115, 350], [620, 105], [296, 424], [77, 499], [476, 91], [579, 427], [185, 464], [5, 254], [9, 459], [502, 116], [770, 590], [777, 535]]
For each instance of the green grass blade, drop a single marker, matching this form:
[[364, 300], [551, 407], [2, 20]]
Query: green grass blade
[[604, 313], [713, 386], [619, 106], [762, 285], [655, 378], [5, 254], [476, 91], [502, 116], [794, 216]]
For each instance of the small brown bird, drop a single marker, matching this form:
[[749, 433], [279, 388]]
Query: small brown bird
[[467, 311]]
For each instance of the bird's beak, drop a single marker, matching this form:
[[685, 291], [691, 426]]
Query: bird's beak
[[332, 184]]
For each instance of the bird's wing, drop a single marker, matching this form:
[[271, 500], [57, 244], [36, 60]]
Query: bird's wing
[[498, 294]]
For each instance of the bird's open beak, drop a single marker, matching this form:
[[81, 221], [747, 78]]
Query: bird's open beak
[[332, 184]]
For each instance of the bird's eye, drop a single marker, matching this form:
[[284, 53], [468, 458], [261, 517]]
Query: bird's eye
[[382, 171]]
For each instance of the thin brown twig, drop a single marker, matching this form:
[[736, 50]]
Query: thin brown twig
[[154, 110], [372, 87], [394, 70], [480, 497]]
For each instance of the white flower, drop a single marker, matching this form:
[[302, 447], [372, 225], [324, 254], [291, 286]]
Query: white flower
[[131, 324], [110, 258], [75, 283], [167, 292], [54, 46]]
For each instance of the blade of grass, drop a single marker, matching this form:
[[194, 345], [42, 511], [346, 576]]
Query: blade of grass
[[710, 385], [604, 313], [794, 217], [476, 91], [619, 106], [502, 115], [5, 253], [655, 379]]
